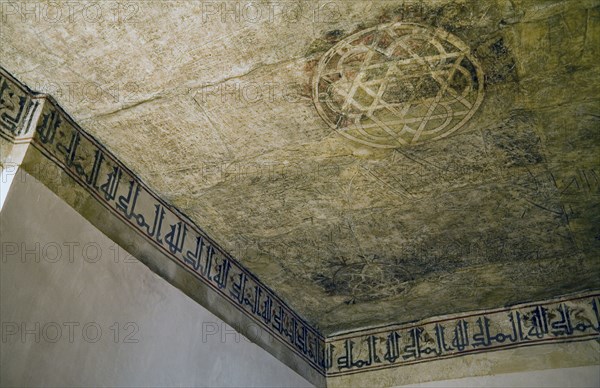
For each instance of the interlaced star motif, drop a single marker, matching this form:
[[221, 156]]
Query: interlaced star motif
[[398, 84]]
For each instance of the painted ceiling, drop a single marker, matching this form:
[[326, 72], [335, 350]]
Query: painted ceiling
[[372, 162]]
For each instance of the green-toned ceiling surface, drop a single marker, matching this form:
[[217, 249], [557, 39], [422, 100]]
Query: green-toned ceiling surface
[[371, 161]]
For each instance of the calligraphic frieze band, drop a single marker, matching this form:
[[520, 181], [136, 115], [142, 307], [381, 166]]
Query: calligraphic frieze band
[[17, 107], [567, 319]]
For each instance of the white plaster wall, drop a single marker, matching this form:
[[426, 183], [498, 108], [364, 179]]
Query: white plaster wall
[[585, 376], [59, 275]]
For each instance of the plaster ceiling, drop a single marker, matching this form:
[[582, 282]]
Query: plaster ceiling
[[473, 184]]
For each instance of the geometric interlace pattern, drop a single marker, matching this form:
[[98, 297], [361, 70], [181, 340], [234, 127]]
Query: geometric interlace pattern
[[398, 84]]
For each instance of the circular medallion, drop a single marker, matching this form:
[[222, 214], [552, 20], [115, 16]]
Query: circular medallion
[[398, 84]]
